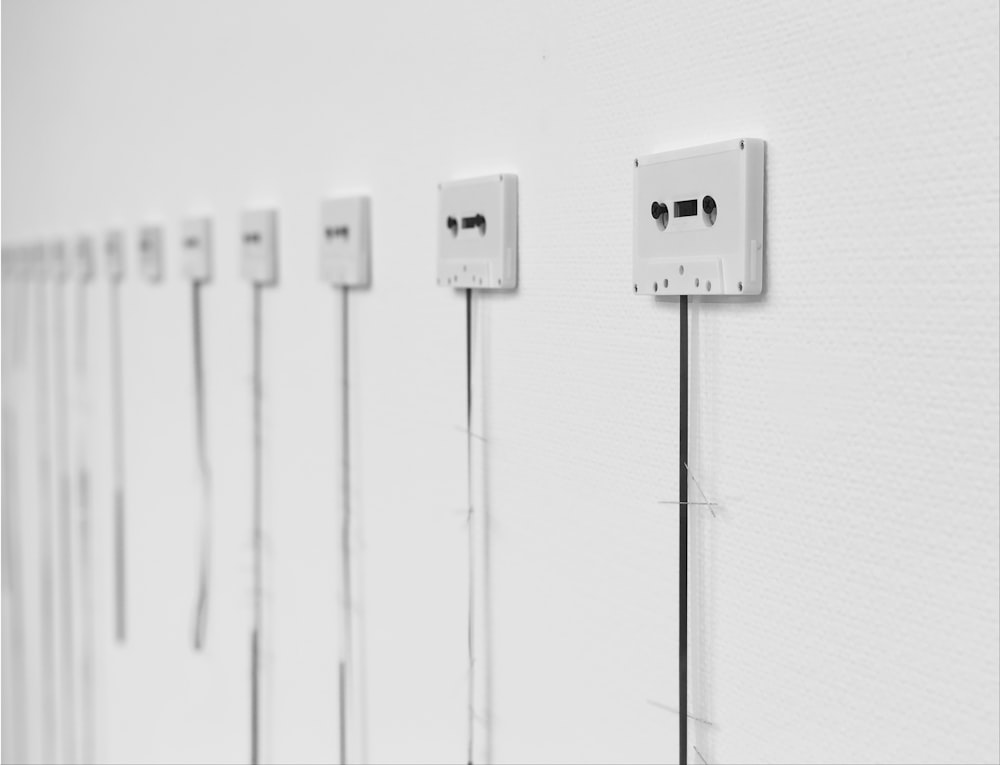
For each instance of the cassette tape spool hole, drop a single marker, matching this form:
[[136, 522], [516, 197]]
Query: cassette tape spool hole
[[709, 211], [661, 215]]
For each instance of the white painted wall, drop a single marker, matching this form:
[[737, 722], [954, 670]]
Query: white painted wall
[[846, 596]]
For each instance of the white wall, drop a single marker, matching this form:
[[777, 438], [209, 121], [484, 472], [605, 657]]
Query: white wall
[[845, 598]]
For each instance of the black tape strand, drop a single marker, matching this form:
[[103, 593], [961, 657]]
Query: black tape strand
[[14, 304], [47, 557], [118, 445], [258, 511], [682, 606], [471, 532], [64, 522], [87, 669], [345, 528], [205, 561]]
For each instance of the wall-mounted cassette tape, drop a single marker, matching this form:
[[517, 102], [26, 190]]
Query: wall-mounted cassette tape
[[259, 252], [698, 225], [345, 241], [477, 233], [57, 261], [114, 255], [84, 257], [196, 249], [151, 253]]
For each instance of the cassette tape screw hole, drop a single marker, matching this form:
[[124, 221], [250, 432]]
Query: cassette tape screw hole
[[697, 282], [681, 270], [666, 283]]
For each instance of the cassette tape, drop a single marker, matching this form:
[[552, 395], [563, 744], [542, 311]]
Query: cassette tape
[[196, 249], [114, 255], [477, 233], [57, 261], [151, 253], [84, 256], [345, 241], [698, 225], [259, 254]]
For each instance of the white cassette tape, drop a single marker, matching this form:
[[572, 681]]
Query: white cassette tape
[[477, 233], [698, 226], [196, 249], [259, 256], [345, 241], [151, 253]]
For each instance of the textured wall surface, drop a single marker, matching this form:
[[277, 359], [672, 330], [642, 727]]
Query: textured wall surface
[[845, 595]]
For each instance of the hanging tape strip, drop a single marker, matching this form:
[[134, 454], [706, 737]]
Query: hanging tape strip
[[205, 553], [345, 536], [87, 721], [13, 323], [258, 508], [48, 597], [118, 441], [65, 515], [471, 531], [683, 535]]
